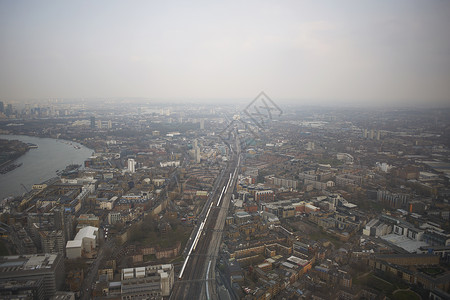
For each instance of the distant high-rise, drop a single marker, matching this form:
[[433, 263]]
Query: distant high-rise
[[2, 107], [131, 165], [92, 122], [196, 152], [9, 110], [202, 124]]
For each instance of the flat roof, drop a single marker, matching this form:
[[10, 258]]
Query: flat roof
[[115, 284], [297, 260], [26, 263], [242, 214], [74, 244], [404, 242], [288, 265], [88, 231]]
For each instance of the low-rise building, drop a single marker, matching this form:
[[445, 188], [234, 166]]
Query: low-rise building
[[88, 220], [84, 242], [147, 282]]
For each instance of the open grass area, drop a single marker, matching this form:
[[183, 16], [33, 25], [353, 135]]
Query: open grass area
[[170, 239], [432, 271], [402, 285], [369, 205], [177, 260], [377, 283], [381, 285], [149, 257], [148, 234], [405, 295], [387, 285], [322, 235], [332, 161]]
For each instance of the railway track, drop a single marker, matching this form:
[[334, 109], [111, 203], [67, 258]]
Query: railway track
[[197, 276]]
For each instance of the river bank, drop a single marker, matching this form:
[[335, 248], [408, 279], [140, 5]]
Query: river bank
[[41, 163], [10, 150]]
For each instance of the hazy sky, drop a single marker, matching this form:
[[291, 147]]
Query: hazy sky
[[357, 51]]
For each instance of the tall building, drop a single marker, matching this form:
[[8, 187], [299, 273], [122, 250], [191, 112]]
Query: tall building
[[131, 165], [56, 220], [38, 272], [2, 106], [92, 122], [52, 241], [9, 110], [196, 152]]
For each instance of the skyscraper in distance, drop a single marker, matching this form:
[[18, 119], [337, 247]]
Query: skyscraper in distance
[[92, 122], [131, 165]]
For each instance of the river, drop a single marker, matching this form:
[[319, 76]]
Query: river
[[40, 164]]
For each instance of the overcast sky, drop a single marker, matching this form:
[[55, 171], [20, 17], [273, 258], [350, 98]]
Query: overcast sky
[[308, 51]]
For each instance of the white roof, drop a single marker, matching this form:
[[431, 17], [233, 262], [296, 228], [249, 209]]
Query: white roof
[[404, 242], [298, 261], [311, 206], [264, 264], [350, 205], [88, 231], [74, 244], [273, 219]]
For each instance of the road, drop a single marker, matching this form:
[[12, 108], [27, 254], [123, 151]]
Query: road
[[91, 274], [197, 276]]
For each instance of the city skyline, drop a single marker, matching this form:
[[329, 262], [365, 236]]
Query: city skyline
[[176, 197], [364, 53]]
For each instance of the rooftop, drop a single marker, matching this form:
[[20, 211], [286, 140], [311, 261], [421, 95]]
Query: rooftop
[[26, 262], [403, 242], [88, 231]]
